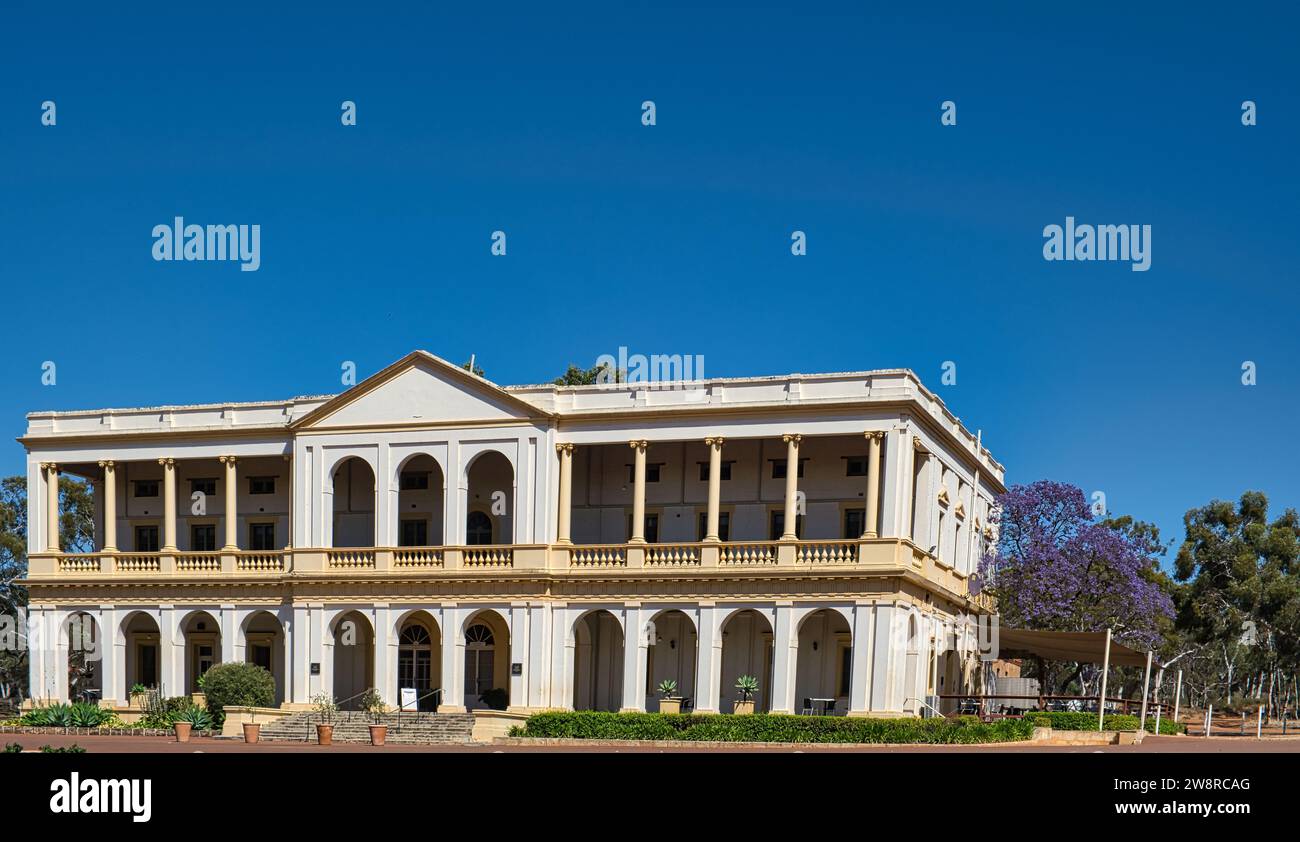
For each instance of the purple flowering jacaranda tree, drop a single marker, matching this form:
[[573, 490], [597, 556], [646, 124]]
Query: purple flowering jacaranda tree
[[1056, 567]]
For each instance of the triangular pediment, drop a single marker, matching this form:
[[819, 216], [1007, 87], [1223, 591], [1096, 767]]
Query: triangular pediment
[[419, 388]]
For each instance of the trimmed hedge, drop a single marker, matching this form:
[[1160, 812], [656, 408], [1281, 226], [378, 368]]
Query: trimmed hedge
[[769, 728], [238, 684], [1066, 720]]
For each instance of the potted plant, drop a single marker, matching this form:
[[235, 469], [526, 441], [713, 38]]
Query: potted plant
[[189, 719], [252, 728], [139, 696], [373, 704], [198, 698], [325, 709], [748, 686], [670, 701]]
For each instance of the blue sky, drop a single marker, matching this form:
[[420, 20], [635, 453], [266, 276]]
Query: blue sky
[[924, 241]]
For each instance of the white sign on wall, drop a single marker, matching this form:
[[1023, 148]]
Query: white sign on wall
[[409, 699]]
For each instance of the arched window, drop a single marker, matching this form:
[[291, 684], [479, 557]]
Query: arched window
[[478, 636], [416, 634], [478, 529]]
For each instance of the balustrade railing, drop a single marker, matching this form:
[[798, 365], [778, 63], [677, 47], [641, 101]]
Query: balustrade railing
[[596, 556], [744, 555], [207, 562], [826, 552], [352, 559], [672, 555], [488, 557], [414, 558]]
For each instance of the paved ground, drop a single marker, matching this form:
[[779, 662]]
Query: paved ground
[[154, 745]]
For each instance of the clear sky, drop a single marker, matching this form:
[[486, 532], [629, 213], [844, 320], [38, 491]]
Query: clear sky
[[924, 241]]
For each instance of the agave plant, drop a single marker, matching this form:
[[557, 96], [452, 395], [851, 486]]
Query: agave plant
[[199, 718], [54, 716], [668, 688], [748, 686], [88, 715]]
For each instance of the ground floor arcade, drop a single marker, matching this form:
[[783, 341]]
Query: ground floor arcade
[[853, 656]]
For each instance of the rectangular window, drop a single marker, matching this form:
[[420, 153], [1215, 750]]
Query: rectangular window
[[260, 654], [146, 488], [724, 526], [855, 523], [777, 526], [204, 486], [779, 468], [415, 480], [855, 466], [651, 472], [261, 536], [146, 539], [203, 539], [415, 533], [261, 485], [726, 471]]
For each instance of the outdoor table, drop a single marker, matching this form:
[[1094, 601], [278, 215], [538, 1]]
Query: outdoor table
[[827, 705]]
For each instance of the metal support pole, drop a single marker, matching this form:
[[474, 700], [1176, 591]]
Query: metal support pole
[[1146, 687], [1101, 701]]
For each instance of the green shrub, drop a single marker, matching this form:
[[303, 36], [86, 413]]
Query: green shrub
[[77, 715], [13, 748], [770, 728], [1063, 720], [237, 684], [497, 698], [72, 749]]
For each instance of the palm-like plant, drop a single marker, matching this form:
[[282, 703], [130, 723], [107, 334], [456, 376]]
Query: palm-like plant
[[667, 688], [748, 686]]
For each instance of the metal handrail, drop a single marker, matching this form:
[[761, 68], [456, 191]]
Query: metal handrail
[[924, 702]]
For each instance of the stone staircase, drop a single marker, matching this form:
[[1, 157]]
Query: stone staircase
[[354, 727]]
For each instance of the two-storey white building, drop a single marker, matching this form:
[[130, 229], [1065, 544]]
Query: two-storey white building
[[538, 546]]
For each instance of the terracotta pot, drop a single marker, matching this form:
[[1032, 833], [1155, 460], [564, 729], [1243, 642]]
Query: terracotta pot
[[325, 734], [743, 707], [182, 731], [252, 732], [670, 705], [378, 734]]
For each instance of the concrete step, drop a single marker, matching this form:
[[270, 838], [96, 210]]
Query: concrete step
[[352, 727]]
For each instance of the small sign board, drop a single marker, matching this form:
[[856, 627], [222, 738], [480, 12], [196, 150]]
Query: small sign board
[[516, 669], [409, 699], [315, 668]]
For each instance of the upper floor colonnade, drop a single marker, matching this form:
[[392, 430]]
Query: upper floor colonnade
[[530, 492]]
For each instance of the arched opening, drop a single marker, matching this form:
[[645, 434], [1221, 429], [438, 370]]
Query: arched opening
[[264, 646], [419, 659], [489, 510], [911, 704], [354, 504], [487, 662], [354, 659], [420, 502], [672, 657], [746, 650], [202, 636], [597, 662], [823, 667], [85, 657], [143, 662]]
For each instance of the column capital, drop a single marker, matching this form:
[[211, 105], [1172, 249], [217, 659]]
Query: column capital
[[107, 464], [792, 437], [714, 441], [227, 460], [564, 447], [50, 466], [641, 444], [918, 444], [167, 462], [874, 435]]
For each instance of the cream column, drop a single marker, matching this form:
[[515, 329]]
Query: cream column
[[638, 493], [715, 487], [872, 525], [564, 521], [791, 485], [169, 504], [51, 506], [110, 507], [231, 514]]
